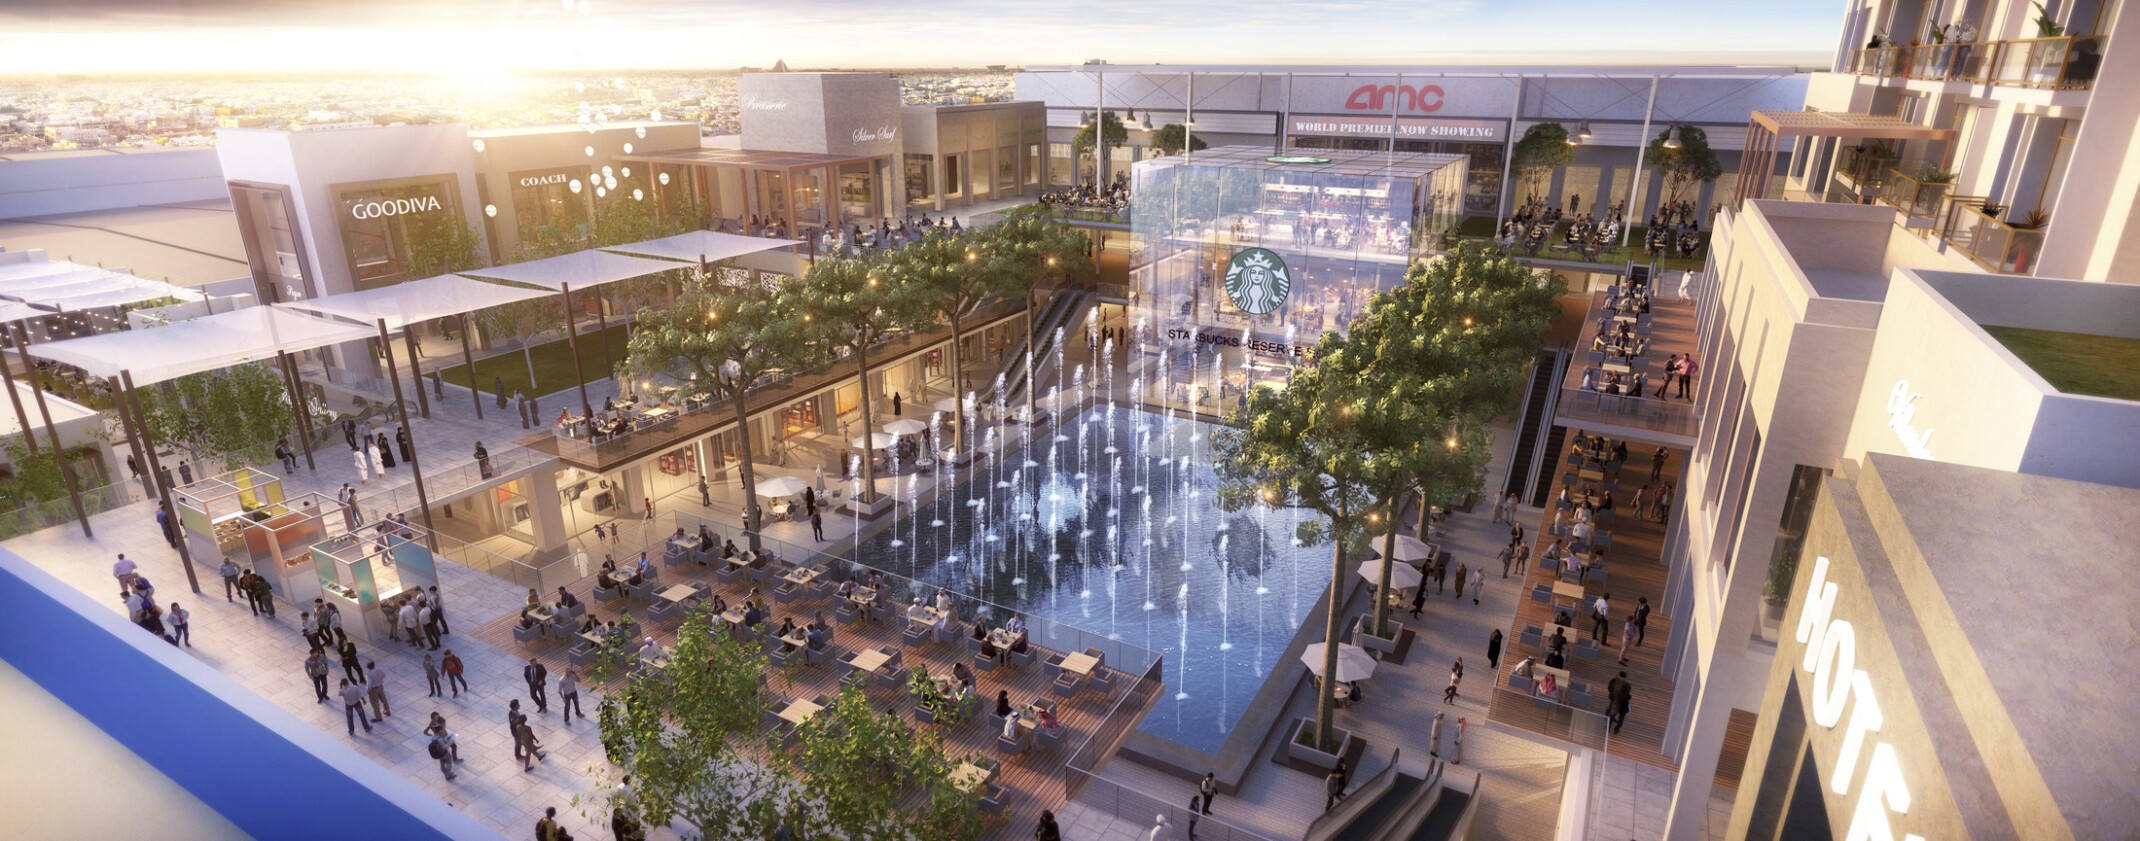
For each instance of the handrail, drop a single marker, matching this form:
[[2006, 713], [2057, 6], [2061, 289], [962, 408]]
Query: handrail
[[1997, 246], [2062, 61], [1915, 196]]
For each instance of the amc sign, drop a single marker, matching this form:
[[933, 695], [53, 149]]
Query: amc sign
[[1424, 99]]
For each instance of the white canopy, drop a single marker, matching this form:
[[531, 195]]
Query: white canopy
[[874, 441], [905, 426], [86, 288], [11, 311], [1408, 548], [710, 246], [1402, 576], [582, 269], [417, 300], [1353, 662], [780, 486], [155, 354]]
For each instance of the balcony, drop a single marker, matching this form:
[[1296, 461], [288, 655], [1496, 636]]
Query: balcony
[[1919, 197], [1866, 168], [1669, 330], [2066, 62], [1997, 246]]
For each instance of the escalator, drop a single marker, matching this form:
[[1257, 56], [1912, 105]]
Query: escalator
[[1538, 402]]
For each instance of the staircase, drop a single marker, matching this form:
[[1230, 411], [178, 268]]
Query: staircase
[[1539, 399], [1064, 311]]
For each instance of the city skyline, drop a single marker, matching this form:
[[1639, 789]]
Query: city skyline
[[497, 37]]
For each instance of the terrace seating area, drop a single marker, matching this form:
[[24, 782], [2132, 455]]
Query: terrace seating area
[[870, 642], [1622, 375]]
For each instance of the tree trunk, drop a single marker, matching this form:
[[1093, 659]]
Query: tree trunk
[[1326, 698], [869, 467], [1425, 515], [958, 376], [743, 465], [527, 353], [1389, 559]]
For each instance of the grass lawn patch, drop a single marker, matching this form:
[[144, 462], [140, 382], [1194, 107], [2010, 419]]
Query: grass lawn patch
[[2077, 363], [553, 364]]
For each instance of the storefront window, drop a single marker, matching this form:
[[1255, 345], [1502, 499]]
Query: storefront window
[[1790, 544], [269, 231], [545, 206], [1061, 170], [920, 179], [981, 165], [855, 203], [798, 418], [381, 226], [1032, 164], [1006, 170], [810, 196]]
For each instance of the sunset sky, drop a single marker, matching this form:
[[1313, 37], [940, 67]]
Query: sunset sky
[[500, 36]]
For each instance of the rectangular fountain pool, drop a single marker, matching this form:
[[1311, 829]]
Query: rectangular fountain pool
[[1111, 525]]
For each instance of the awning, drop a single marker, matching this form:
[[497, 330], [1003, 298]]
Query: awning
[[581, 269], [12, 311], [416, 300], [208, 343], [709, 246], [111, 290]]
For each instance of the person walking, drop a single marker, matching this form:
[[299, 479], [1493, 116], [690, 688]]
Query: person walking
[[1508, 557], [1687, 369], [283, 454], [1334, 785], [1456, 676], [431, 677], [1671, 370], [1047, 830], [1500, 508], [265, 594], [1419, 599], [568, 694], [126, 571], [353, 707], [362, 461], [537, 677], [1657, 461], [547, 829], [647, 503], [375, 687], [705, 495], [1193, 815], [330, 619], [1459, 740], [1434, 736], [352, 667], [513, 719], [229, 570], [895, 404], [817, 526], [530, 749], [427, 616], [163, 521], [1642, 618], [412, 628], [1460, 573], [180, 621], [1523, 556], [1478, 587], [1493, 650], [1208, 789], [438, 604], [1621, 695], [443, 754], [316, 669], [1627, 633], [451, 666], [1600, 619], [482, 457]]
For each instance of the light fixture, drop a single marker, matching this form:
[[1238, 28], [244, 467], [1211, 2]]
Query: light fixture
[[1582, 132], [663, 178], [627, 148], [1147, 124], [1084, 119], [590, 151], [638, 194], [609, 181], [1671, 138], [490, 210], [626, 172], [479, 144], [600, 192], [641, 131], [575, 185], [608, 170]]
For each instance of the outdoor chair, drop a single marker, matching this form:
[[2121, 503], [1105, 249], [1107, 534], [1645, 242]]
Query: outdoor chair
[[653, 574], [1103, 679], [665, 612], [630, 593], [983, 664], [847, 615], [1054, 666], [785, 594], [527, 635], [992, 805], [1010, 747], [675, 558], [779, 657], [880, 613], [562, 627], [1586, 649], [584, 655], [1541, 593], [606, 596], [820, 588], [1051, 741], [1519, 683], [727, 575], [816, 656], [1579, 699], [1097, 655], [856, 680], [1066, 685], [890, 677], [1532, 635], [1021, 659], [914, 637], [1543, 702], [924, 714]]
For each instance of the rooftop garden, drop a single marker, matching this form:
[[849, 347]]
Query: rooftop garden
[[2077, 363]]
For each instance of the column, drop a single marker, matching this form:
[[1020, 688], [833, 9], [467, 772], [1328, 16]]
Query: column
[[545, 511], [1689, 811]]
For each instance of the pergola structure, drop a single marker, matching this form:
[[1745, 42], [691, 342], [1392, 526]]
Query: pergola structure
[[1765, 130]]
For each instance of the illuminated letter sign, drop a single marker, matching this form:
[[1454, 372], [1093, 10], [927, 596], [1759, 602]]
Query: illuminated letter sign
[[1257, 280], [1425, 98], [393, 207], [1831, 658], [1900, 414], [540, 180]]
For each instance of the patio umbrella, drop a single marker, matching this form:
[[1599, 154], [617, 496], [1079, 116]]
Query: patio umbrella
[[780, 486], [1408, 548], [875, 441], [820, 478], [950, 404], [905, 426], [1353, 662], [1401, 576]]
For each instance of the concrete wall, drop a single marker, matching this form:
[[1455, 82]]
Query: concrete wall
[[270, 774], [73, 182], [826, 113]]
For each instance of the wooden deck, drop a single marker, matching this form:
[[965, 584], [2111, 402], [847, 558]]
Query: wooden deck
[[1032, 781], [1634, 572]]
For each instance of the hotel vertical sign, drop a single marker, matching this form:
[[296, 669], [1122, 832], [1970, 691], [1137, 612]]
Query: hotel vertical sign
[[1839, 685]]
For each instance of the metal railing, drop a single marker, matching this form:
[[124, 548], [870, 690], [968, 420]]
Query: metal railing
[[1867, 168], [1082, 781], [45, 514], [1918, 198], [2065, 61], [1993, 244], [1671, 417]]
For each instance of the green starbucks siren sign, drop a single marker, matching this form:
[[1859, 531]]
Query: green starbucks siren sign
[[1257, 280]]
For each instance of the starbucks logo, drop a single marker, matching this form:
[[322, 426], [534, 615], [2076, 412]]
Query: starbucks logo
[[1257, 280]]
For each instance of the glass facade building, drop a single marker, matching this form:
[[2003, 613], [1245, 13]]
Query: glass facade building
[[1245, 258]]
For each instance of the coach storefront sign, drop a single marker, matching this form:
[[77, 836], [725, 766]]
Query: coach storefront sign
[[544, 180], [1882, 795], [1403, 128], [382, 208]]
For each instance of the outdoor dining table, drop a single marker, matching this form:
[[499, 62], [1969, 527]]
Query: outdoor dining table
[[1002, 638], [1619, 367], [797, 639], [1573, 591], [969, 777], [870, 661], [1080, 663], [678, 593], [594, 639], [799, 711], [733, 616], [802, 576], [863, 595]]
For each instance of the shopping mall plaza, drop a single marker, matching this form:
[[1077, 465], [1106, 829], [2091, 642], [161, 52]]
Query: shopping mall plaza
[[1909, 297]]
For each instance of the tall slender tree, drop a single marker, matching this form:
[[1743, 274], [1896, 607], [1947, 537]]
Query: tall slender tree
[[853, 307]]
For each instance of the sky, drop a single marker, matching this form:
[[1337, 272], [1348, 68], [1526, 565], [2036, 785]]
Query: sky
[[476, 37]]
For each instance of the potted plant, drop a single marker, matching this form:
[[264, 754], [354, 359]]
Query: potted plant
[[2034, 221], [2046, 27]]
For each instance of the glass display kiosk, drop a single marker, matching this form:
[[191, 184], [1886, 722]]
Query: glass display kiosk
[[369, 577], [242, 515]]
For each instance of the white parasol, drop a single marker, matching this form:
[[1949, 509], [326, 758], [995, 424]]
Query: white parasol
[[1352, 661], [875, 441], [1408, 548], [1402, 575], [780, 486], [905, 426]]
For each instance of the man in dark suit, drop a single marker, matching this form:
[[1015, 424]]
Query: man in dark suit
[[1623, 695], [537, 677], [1642, 619]]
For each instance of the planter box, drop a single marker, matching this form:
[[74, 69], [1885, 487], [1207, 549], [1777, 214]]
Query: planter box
[[1306, 755]]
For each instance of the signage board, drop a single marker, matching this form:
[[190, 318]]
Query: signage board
[[1403, 128], [1838, 684], [1257, 280]]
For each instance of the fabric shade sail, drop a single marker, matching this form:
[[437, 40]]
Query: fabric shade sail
[[711, 246], [416, 300], [12, 311], [581, 269], [156, 354], [88, 288]]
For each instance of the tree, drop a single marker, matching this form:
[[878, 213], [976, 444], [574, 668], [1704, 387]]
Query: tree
[[441, 243], [685, 735], [523, 320], [716, 342], [1300, 447], [1168, 140], [857, 764], [1690, 164], [1112, 134], [232, 415], [1543, 148], [853, 310]]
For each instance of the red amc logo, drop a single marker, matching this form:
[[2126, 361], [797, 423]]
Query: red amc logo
[[1425, 98]]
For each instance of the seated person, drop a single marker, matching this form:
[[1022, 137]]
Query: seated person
[[1556, 660], [1010, 725], [787, 627], [1018, 644], [720, 605], [917, 616], [816, 639], [1003, 702], [565, 600], [1351, 693], [752, 617], [847, 589], [1550, 685], [980, 630], [1048, 724], [1015, 626], [818, 623], [988, 648], [728, 549], [1558, 641], [590, 626], [876, 581], [650, 651], [528, 618], [1526, 668], [644, 569]]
